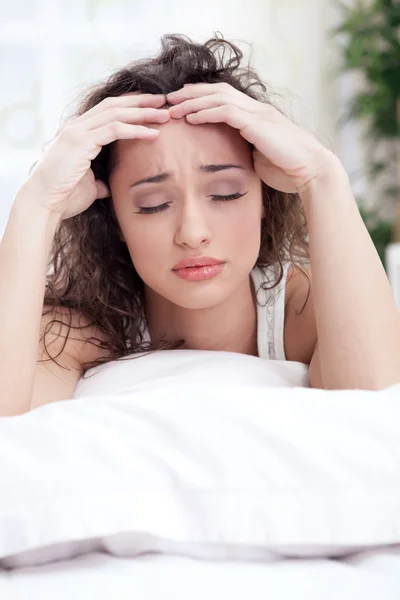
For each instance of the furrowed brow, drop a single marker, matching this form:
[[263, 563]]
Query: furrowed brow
[[203, 168]]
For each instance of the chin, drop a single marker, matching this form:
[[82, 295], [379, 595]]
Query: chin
[[199, 297]]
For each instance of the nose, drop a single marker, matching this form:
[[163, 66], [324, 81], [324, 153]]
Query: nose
[[192, 228]]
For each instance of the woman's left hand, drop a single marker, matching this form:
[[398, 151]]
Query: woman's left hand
[[286, 157]]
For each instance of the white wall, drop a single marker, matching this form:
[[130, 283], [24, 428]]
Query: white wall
[[51, 49]]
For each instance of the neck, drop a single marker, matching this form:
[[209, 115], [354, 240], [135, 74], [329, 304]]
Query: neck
[[230, 326]]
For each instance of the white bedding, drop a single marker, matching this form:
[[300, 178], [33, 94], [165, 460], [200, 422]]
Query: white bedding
[[248, 482], [97, 576]]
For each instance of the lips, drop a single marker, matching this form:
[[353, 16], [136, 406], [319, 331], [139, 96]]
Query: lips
[[197, 262]]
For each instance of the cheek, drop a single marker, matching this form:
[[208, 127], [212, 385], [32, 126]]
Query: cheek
[[147, 244], [246, 225]]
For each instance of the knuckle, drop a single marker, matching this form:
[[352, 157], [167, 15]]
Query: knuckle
[[62, 126], [222, 97], [269, 109], [113, 112], [110, 102], [135, 93], [59, 130], [71, 133], [115, 127]]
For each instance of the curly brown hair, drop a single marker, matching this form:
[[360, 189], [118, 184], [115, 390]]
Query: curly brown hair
[[90, 268]]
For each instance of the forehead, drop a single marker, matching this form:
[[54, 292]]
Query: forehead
[[183, 144]]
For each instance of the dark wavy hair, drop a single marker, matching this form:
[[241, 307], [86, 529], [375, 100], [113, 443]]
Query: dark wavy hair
[[90, 268]]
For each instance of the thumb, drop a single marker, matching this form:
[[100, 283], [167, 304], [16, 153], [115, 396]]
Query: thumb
[[102, 189]]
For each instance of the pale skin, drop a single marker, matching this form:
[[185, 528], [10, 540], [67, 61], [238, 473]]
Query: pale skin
[[337, 333], [216, 314]]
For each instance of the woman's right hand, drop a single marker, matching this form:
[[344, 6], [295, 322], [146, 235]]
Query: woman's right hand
[[63, 177]]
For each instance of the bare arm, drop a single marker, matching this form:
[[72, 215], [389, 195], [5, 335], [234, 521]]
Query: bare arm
[[24, 252], [62, 185], [357, 320]]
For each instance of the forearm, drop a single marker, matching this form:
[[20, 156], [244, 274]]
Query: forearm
[[24, 252], [358, 323]]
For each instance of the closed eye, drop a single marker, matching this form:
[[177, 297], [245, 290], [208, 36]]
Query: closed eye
[[154, 209], [231, 197]]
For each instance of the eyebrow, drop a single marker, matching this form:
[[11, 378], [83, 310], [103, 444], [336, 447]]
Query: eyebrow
[[203, 168]]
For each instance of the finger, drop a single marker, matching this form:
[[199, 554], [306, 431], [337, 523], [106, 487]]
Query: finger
[[233, 116], [128, 115], [193, 90], [196, 104], [130, 100], [94, 140], [143, 100], [123, 131], [102, 190]]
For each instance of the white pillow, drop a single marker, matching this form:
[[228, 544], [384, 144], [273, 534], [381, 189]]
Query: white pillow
[[212, 470], [154, 371]]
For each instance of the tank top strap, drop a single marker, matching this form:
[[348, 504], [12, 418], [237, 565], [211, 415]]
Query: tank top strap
[[270, 312]]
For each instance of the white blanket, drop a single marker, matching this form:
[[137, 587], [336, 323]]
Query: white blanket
[[216, 458], [367, 576]]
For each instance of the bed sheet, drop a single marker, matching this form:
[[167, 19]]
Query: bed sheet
[[99, 576]]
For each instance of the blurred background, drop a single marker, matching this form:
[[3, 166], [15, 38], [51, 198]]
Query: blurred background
[[333, 65]]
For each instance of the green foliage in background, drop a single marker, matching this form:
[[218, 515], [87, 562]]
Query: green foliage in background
[[369, 34]]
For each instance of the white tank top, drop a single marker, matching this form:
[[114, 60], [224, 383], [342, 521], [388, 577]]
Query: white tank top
[[270, 312]]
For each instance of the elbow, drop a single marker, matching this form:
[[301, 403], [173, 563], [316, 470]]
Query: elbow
[[377, 379]]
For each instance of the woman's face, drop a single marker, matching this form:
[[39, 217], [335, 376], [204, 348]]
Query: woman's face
[[178, 215]]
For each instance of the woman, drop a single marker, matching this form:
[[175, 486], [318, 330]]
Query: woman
[[181, 207]]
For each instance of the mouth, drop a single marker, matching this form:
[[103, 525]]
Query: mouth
[[197, 263], [198, 269]]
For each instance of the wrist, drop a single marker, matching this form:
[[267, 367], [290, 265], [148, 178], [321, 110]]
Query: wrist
[[28, 201], [28, 212], [330, 175]]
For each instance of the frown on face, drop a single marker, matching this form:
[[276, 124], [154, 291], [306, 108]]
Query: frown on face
[[181, 214]]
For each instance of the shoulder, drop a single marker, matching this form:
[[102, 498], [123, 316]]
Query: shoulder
[[69, 331], [300, 323]]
